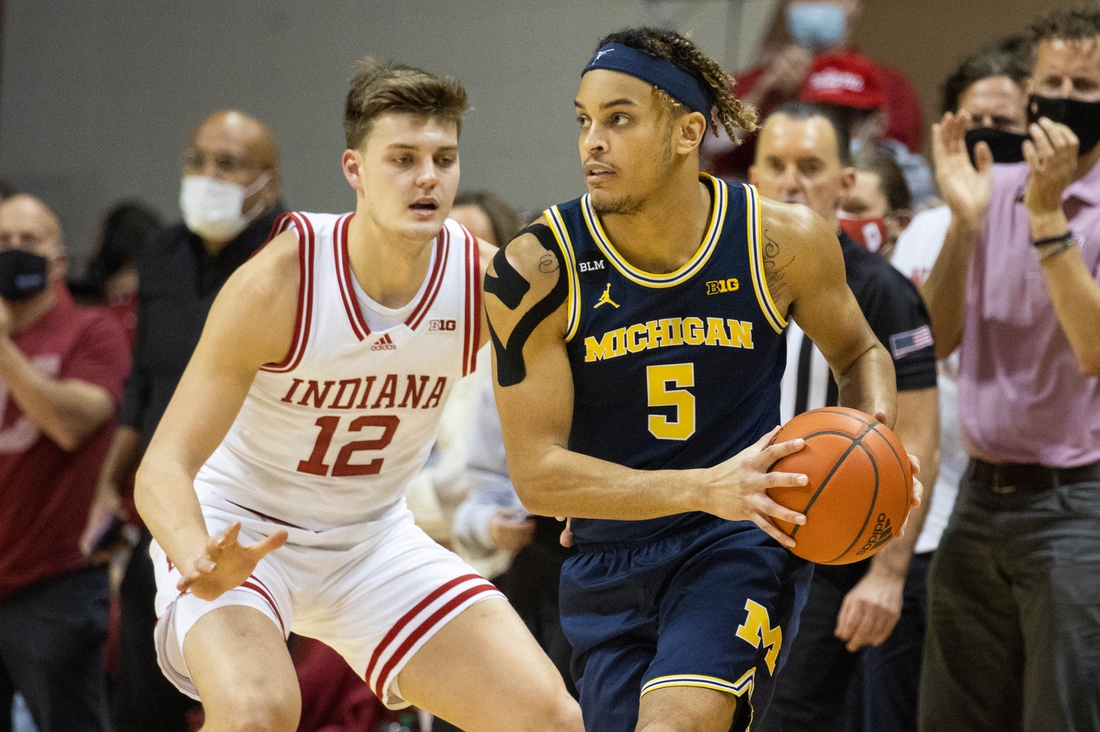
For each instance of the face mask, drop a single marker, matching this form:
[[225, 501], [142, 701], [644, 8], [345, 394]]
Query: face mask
[[1081, 117], [212, 208], [816, 26], [22, 275], [869, 233], [1007, 147]]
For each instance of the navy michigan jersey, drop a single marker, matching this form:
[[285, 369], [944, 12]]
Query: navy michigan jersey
[[670, 371]]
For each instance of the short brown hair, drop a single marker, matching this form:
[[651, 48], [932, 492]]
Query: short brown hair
[[891, 180], [378, 88], [1066, 25]]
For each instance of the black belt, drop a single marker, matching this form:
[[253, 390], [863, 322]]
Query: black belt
[[1029, 477]]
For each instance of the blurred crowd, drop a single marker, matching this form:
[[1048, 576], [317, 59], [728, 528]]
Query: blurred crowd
[[976, 265]]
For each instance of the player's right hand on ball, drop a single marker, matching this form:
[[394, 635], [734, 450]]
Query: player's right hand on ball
[[737, 490], [225, 563]]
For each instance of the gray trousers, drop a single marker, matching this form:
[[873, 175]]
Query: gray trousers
[[1013, 640]]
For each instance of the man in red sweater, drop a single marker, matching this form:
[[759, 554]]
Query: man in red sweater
[[61, 374]]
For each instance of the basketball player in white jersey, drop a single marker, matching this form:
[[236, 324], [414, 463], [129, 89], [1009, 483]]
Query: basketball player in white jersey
[[274, 484]]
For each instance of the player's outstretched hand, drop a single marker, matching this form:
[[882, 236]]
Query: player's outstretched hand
[[737, 489], [225, 563]]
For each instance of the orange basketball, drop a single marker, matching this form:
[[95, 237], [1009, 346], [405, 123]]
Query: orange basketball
[[860, 485]]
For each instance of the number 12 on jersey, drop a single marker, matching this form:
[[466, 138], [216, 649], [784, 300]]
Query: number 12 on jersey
[[343, 467], [681, 376]]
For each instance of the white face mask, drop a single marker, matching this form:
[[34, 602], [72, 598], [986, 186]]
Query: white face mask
[[212, 208]]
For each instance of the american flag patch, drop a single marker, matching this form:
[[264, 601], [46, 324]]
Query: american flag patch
[[902, 344]]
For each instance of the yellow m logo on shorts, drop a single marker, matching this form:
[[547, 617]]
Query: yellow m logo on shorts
[[757, 631]]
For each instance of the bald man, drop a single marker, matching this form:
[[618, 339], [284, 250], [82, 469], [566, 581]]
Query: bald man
[[61, 379], [229, 196]]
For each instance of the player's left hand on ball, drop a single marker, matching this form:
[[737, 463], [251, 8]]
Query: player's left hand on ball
[[870, 610], [225, 563], [737, 489]]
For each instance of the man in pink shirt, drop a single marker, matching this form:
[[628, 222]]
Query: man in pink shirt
[[1014, 621], [61, 374]]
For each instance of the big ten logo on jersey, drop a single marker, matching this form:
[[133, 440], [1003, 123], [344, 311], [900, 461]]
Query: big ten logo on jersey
[[716, 287], [442, 325], [409, 393], [592, 268]]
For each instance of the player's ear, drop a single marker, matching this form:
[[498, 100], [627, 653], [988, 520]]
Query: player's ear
[[847, 180], [352, 164], [690, 131]]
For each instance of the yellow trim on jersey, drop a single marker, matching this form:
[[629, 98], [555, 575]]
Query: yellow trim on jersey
[[693, 265], [573, 299], [756, 261], [738, 688]]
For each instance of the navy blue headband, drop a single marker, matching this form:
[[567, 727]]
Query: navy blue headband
[[665, 75]]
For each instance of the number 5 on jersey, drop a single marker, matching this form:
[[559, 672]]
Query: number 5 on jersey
[[682, 377], [343, 466]]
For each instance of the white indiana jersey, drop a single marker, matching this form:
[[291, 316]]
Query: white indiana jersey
[[332, 435]]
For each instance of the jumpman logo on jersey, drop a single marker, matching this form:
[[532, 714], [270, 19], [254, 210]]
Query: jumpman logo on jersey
[[605, 298]]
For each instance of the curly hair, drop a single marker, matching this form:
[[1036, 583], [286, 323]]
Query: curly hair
[[686, 56]]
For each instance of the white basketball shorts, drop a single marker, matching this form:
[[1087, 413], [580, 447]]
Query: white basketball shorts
[[375, 593]]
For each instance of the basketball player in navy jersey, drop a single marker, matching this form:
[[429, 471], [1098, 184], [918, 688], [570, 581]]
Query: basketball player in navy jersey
[[638, 341]]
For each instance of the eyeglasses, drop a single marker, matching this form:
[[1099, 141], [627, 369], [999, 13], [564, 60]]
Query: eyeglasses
[[195, 161]]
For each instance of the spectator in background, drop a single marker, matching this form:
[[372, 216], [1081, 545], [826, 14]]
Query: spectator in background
[[850, 87], [800, 31], [877, 207], [441, 485], [802, 157], [61, 378], [1014, 612], [111, 278], [230, 196], [989, 85], [487, 216]]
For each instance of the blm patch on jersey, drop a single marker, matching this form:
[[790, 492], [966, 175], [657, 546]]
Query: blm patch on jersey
[[902, 344]]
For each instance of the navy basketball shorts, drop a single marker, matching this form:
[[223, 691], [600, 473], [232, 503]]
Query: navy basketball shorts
[[715, 607]]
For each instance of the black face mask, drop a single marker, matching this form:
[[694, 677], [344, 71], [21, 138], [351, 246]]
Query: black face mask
[[22, 275], [1007, 147], [1081, 117]]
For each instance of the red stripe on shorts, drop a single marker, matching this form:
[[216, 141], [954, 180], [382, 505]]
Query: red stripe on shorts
[[431, 622], [263, 592], [407, 618]]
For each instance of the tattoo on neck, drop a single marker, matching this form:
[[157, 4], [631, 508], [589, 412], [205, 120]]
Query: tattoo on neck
[[775, 265]]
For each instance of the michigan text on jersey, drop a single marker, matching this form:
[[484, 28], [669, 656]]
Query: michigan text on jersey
[[669, 332]]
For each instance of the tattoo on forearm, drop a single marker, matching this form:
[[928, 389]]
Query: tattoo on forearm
[[511, 368], [775, 266]]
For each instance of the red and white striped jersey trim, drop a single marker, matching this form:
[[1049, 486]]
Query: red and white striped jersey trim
[[304, 317], [425, 617], [347, 289], [471, 336]]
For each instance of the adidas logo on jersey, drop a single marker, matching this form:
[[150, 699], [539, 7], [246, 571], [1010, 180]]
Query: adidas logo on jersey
[[881, 534], [385, 343]]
